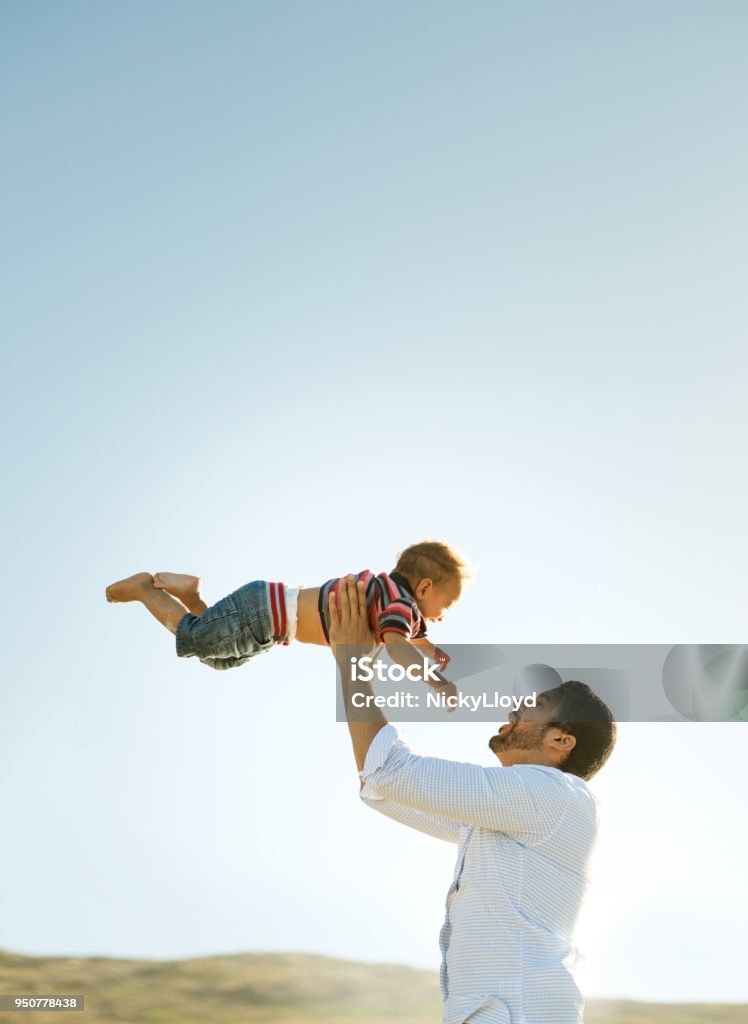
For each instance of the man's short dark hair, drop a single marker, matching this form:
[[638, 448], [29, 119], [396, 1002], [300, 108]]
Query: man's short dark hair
[[584, 716]]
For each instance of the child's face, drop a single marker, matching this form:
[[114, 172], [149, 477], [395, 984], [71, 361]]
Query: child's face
[[435, 598]]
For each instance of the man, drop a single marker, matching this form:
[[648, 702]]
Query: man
[[524, 831]]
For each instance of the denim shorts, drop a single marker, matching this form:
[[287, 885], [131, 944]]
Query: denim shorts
[[231, 631]]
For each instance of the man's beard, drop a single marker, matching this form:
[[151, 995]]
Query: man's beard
[[518, 736]]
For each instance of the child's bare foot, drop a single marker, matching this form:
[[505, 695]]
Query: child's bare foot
[[185, 588], [130, 589]]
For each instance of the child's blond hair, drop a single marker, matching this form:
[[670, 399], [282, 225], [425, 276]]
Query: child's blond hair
[[435, 560]]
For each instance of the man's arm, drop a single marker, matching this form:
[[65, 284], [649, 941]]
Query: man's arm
[[430, 824], [526, 803], [349, 626]]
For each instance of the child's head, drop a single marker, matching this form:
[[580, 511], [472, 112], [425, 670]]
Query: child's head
[[435, 572]]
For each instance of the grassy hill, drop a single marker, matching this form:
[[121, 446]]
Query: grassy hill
[[287, 988]]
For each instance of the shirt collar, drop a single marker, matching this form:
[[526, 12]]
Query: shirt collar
[[400, 580], [397, 577]]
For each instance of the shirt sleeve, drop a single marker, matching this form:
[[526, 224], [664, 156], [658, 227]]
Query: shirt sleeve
[[523, 801], [400, 616], [431, 824]]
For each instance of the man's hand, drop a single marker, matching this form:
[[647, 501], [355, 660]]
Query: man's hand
[[349, 620], [349, 628]]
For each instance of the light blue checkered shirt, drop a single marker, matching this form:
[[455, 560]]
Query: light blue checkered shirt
[[524, 837]]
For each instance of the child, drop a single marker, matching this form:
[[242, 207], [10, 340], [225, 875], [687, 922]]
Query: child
[[426, 581]]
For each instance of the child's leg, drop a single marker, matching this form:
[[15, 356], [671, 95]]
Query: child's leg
[[185, 588], [139, 587]]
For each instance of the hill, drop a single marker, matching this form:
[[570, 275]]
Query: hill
[[289, 988]]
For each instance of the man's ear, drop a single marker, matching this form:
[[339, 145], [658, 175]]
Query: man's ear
[[561, 742]]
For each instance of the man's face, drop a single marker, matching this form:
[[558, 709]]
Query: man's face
[[527, 738]]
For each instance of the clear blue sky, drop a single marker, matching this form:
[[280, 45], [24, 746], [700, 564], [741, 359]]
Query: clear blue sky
[[285, 287]]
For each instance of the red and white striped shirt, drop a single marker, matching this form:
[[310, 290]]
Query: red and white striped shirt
[[277, 604], [390, 604]]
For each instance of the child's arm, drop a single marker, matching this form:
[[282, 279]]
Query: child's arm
[[433, 652], [405, 653], [401, 650]]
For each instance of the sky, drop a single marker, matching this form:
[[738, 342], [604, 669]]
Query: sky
[[286, 287]]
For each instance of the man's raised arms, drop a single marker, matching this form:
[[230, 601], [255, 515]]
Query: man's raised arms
[[349, 627]]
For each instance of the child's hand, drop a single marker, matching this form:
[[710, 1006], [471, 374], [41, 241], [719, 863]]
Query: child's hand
[[446, 687], [441, 658]]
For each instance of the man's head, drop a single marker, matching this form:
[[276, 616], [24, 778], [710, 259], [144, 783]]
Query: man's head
[[570, 728], [435, 572]]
